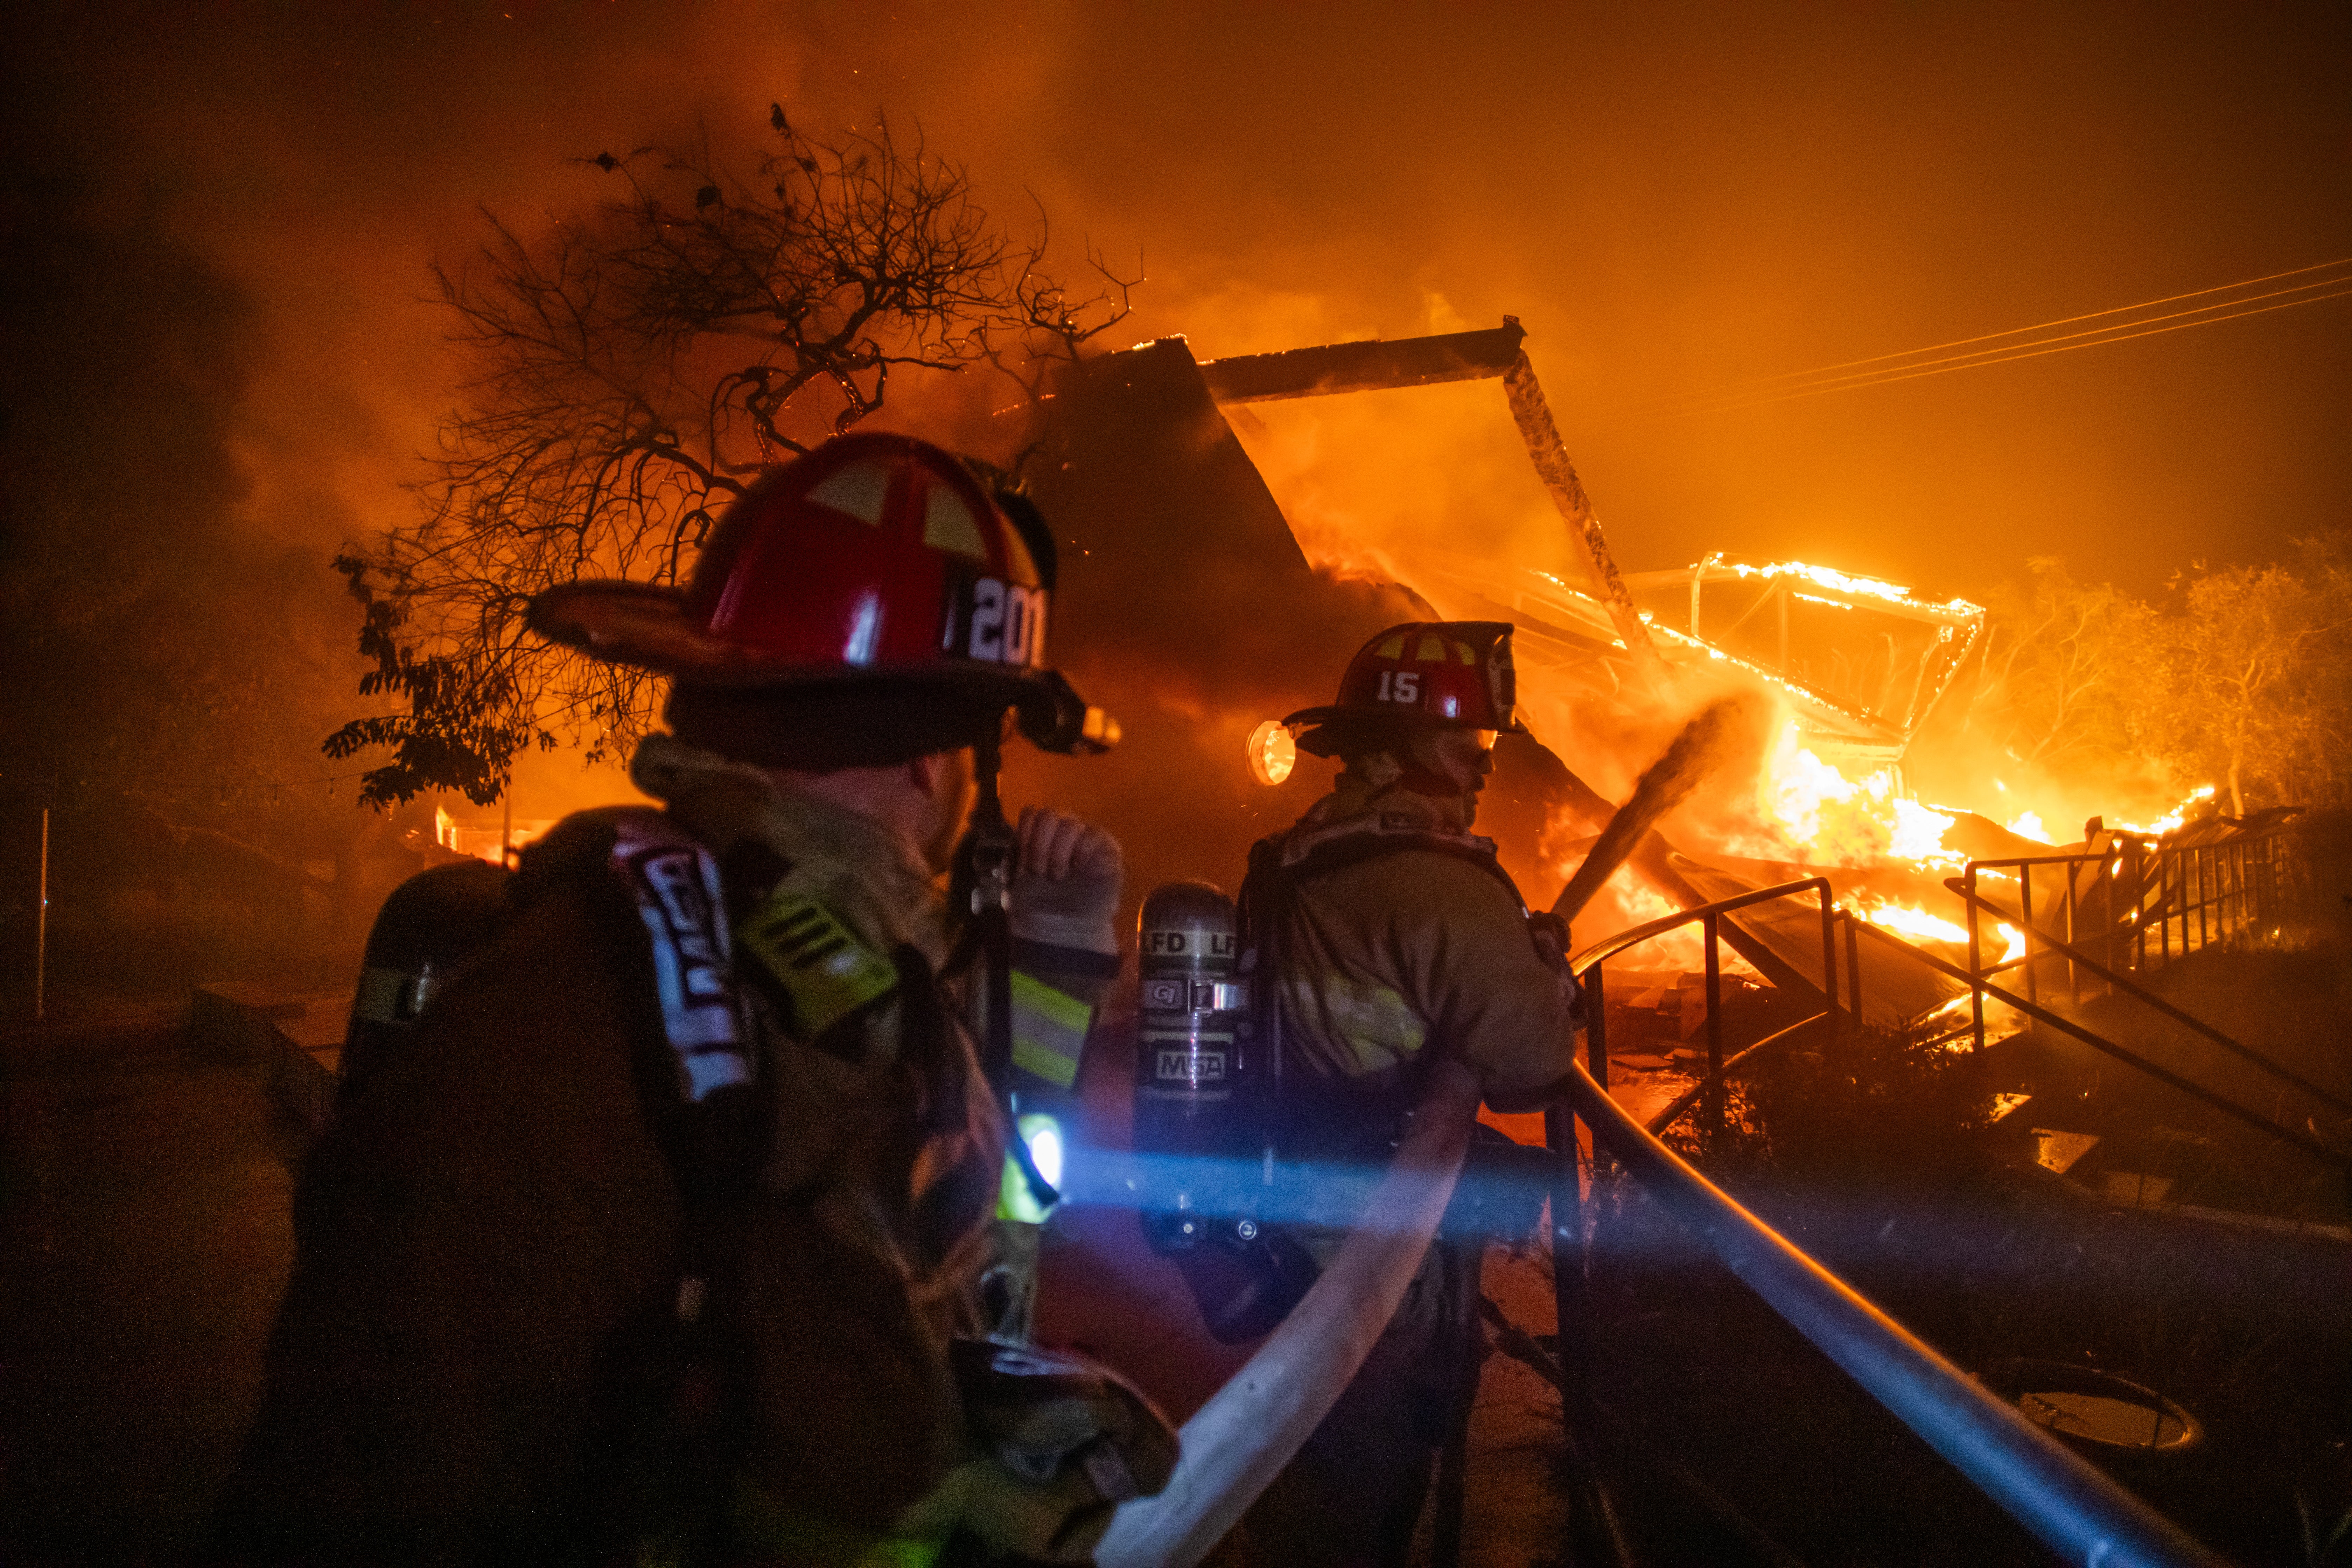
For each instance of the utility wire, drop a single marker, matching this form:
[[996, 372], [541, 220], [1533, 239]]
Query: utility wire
[[1994, 356], [2033, 349], [1823, 375]]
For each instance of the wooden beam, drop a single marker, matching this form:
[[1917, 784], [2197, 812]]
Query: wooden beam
[[1371, 367], [1549, 454]]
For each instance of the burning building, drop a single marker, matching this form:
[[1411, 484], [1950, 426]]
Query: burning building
[[1178, 538]]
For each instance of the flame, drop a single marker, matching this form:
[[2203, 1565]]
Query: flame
[[444, 828], [1910, 920], [1826, 818], [1843, 581], [1684, 948], [2028, 825], [2171, 819]]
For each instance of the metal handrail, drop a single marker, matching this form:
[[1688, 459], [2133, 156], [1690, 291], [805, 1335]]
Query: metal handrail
[[2254, 1119], [2240, 901], [1637, 935], [1690, 1096], [2141, 993], [1587, 965], [1569, 1301], [2076, 1510]]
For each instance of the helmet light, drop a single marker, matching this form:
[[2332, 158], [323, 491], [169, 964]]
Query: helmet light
[[1272, 753]]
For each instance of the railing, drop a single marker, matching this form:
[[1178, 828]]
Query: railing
[[2165, 1075], [2068, 1505], [2156, 898], [2076, 1510], [1710, 916], [2117, 984]]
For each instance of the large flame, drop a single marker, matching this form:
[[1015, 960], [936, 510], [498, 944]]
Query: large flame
[[1912, 920], [1844, 582], [1816, 815], [2171, 819]]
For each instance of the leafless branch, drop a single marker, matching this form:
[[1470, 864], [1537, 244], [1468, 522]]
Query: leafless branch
[[631, 372]]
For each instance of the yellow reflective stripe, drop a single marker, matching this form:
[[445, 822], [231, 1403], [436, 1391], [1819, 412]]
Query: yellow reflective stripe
[[1049, 1030], [771, 1527], [818, 960], [1375, 1024]]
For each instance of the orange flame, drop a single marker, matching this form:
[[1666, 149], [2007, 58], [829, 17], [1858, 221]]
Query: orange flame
[[1815, 814]]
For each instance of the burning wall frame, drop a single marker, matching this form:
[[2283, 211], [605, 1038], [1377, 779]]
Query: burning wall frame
[[1860, 689]]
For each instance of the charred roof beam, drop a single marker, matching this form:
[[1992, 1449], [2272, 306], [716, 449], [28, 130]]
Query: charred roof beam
[[1371, 367]]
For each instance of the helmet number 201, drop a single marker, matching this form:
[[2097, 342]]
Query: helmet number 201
[[1400, 686], [1008, 622]]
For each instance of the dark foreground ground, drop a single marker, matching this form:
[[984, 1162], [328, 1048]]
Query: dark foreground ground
[[143, 1239]]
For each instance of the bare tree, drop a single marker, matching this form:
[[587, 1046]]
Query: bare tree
[[632, 374], [2257, 675], [2066, 665]]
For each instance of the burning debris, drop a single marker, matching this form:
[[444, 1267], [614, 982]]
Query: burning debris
[[1852, 668]]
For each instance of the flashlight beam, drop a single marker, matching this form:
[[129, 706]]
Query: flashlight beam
[[1254, 1425]]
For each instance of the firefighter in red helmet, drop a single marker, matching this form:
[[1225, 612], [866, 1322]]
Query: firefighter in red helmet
[[685, 1224], [1393, 946]]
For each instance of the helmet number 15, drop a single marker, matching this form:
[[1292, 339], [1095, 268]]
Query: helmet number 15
[[1400, 686]]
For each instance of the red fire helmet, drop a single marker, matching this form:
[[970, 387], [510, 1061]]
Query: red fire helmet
[[1452, 674], [875, 558]]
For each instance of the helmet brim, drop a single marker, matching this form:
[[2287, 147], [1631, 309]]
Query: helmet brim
[[649, 627], [1323, 732]]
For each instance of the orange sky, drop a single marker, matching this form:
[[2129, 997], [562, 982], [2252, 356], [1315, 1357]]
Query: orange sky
[[1669, 197]]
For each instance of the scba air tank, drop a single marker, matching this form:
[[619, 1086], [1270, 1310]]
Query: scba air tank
[[1195, 1078]]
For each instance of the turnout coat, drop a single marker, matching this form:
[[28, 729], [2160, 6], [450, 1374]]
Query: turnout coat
[[494, 1226]]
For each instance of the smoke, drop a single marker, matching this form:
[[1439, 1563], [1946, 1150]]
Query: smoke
[[1664, 786], [1669, 199]]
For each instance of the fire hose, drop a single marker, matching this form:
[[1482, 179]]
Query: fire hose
[[1234, 1444]]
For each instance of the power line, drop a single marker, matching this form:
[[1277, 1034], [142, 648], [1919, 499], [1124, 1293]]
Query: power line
[[1665, 407], [2031, 349], [1995, 356]]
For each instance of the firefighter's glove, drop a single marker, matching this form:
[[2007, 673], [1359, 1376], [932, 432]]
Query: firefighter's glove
[[1066, 883], [1060, 1440]]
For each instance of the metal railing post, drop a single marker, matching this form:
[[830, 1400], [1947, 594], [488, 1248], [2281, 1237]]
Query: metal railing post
[[2025, 908], [1853, 974], [2073, 981], [1566, 1239], [1571, 1318], [2109, 865], [1714, 1030], [1596, 1038], [2204, 896], [1829, 961], [1976, 963], [2165, 866], [2136, 868]]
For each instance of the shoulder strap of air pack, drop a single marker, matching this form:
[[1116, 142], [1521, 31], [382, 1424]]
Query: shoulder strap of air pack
[[1302, 854]]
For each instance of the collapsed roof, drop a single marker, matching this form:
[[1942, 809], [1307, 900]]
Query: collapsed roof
[[1860, 662], [1189, 607]]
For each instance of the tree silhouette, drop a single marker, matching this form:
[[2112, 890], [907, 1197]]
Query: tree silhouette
[[2256, 683], [2245, 681], [631, 375]]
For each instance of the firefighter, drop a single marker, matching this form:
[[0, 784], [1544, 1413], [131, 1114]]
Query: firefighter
[[656, 1237], [1394, 944]]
